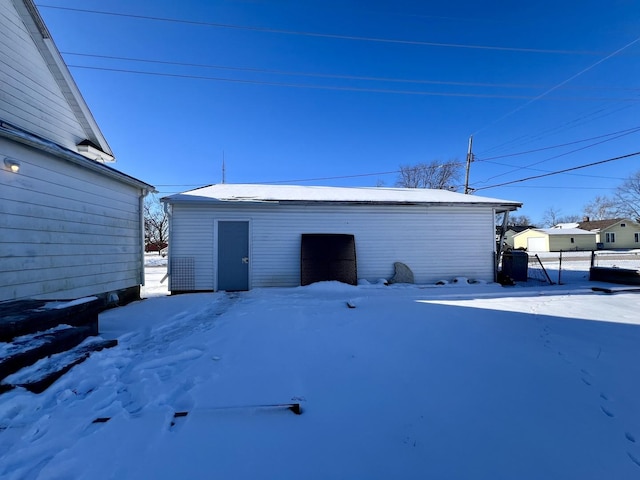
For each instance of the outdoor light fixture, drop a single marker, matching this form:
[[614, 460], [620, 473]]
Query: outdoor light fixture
[[12, 164]]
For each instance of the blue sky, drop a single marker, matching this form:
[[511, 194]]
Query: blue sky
[[301, 90]]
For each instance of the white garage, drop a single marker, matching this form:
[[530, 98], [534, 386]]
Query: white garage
[[239, 237]]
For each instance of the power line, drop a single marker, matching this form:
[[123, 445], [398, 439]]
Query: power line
[[557, 188], [178, 185], [324, 35], [629, 130], [334, 178], [557, 172], [335, 88], [571, 78], [330, 75], [547, 171], [557, 156], [600, 111], [339, 177]]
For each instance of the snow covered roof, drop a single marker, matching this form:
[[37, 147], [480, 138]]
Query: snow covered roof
[[256, 193], [559, 231], [565, 225], [565, 231]]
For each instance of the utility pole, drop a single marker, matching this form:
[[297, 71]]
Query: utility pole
[[469, 160], [223, 167]]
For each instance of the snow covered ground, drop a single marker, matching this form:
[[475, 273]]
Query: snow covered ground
[[448, 382]]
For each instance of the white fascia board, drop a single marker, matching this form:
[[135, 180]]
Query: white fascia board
[[72, 157]]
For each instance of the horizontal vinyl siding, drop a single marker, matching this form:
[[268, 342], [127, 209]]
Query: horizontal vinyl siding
[[191, 236], [624, 236], [521, 240], [421, 237], [30, 97], [65, 231], [563, 242]]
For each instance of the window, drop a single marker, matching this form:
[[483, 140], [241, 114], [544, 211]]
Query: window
[[610, 238], [623, 225], [573, 240], [636, 237]]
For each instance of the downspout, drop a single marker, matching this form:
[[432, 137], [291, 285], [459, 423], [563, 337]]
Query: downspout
[[167, 210], [505, 220], [143, 194]]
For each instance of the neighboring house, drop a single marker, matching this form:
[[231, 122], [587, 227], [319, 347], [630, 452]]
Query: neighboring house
[[565, 225], [238, 237], [71, 225], [513, 230], [554, 239], [614, 233]]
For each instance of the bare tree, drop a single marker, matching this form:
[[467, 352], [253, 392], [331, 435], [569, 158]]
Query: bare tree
[[573, 218], [552, 216], [519, 220], [438, 175], [601, 208], [156, 224], [627, 198]]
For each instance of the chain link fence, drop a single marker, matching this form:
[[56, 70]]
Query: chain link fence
[[565, 267], [630, 260]]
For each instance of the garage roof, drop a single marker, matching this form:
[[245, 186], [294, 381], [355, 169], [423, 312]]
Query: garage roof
[[256, 193], [557, 231]]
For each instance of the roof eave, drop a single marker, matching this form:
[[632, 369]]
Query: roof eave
[[58, 151], [193, 199]]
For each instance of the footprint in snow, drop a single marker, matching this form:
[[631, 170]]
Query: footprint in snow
[[630, 437], [607, 412], [634, 459], [585, 381]]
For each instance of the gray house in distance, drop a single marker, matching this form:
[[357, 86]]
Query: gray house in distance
[[239, 237], [70, 226]]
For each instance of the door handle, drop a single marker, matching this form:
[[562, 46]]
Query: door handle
[[245, 260]]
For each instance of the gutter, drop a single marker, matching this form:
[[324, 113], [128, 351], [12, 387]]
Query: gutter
[[167, 210], [20, 136], [141, 198], [197, 200]]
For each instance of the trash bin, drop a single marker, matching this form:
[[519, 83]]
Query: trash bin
[[515, 264]]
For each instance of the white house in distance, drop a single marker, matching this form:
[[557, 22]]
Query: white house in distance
[[71, 226], [238, 237]]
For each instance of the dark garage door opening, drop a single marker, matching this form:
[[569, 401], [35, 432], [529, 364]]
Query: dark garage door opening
[[326, 256]]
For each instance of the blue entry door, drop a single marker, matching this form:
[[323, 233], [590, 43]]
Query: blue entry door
[[233, 256]]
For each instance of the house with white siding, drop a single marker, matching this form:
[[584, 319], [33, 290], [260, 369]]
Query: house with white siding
[[70, 225], [239, 237]]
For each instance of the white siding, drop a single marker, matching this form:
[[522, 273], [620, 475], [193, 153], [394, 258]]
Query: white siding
[[65, 231], [435, 242], [30, 98]]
